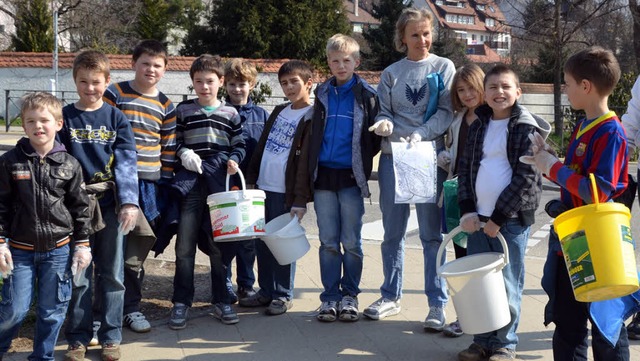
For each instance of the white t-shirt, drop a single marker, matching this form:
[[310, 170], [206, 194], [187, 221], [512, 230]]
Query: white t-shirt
[[495, 171], [276, 151]]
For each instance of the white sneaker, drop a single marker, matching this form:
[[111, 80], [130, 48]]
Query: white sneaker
[[137, 322], [382, 308], [349, 309], [435, 321], [328, 311]]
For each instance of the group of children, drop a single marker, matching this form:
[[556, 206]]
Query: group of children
[[85, 195]]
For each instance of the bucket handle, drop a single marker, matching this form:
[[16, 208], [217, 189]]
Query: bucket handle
[[244, 185], [453, 233], [594, 190]]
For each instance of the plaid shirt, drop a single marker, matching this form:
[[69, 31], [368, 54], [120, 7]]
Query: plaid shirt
[[522, 196]]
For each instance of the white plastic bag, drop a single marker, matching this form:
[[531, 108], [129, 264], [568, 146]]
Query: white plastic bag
[[415, 172]]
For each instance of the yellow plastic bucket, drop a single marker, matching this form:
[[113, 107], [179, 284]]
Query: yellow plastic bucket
[[598, 249]]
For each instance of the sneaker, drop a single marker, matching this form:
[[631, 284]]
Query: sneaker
[[435, 320], [633, 330], [179, 314], [94, 339], [328, 311], [224, 313], [503, 354], [137, 322], [475, 352], [75, 352], [453, 329], [245, 292], [279, 306], [382, 308], [349, 309], [255, 300], [233, 297], [110, 352]]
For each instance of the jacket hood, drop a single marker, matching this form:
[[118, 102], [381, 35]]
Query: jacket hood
[[522, 114], [28, 149]]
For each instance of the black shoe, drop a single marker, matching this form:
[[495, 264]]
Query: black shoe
[[244, 292], [633, 330], [233, 298]]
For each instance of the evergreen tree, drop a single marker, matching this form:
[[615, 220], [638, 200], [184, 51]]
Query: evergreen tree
[[34, 27], [269, 29], [153, 20], [380, 39]]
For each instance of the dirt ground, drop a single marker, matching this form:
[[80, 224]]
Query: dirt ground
[[156, 301]]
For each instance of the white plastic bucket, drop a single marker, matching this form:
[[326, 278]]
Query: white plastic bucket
[[237, 215], [286, 239], [477, 287]]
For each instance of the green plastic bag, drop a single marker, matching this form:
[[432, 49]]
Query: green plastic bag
[[452, 210]]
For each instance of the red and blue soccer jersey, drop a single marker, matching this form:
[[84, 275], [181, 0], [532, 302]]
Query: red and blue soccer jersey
[[597, 146]]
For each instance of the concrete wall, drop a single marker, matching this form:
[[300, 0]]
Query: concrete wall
[[175, 84]]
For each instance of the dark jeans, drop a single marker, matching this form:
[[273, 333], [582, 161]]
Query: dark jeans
[[245, 255], [570, 339]]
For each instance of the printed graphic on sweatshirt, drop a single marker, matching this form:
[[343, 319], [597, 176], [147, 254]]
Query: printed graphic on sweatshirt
[[90, 135], [415, 95], [281, 135]]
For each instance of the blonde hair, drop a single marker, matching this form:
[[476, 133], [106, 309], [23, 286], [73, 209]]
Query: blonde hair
[[472, 75], [41, 100], [242, 70], [91, 60], [343, 43], [409, 14]]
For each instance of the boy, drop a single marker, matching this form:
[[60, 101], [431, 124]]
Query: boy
[[43, 215], [598, 146], [153, 119], [346, 107], [495, 188], [100, 136], [276, 168], [240, 78], [210, 145]]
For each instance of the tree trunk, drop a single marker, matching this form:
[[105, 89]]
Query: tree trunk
[[635, 12]]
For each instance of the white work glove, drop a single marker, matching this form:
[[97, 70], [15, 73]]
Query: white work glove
[[127, 218], [412, 139], [232, 167], [80, 261], [383, 128], [543, 156], [298, 212], [191, 161], [444, 159], [470, 222], [6, 261]]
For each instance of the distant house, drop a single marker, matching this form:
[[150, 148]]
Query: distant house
[[359, 18], [475, 22]]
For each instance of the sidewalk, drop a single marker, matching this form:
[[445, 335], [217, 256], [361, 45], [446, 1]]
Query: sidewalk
[[297, 335]]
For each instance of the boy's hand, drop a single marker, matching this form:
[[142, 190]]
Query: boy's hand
[[232, 167], [444, 159], [383, 128], [6, 261], [81, 260], [412, 139], [191, 161], [491, 229], [470, 222], [298, 212], [541, 158], [127, 218]]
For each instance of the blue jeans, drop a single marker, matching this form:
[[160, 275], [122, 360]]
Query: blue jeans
[[394, 220], [275, 280], [193, 213], [107, 248], [48, 274], [339, 215], [517, 237]]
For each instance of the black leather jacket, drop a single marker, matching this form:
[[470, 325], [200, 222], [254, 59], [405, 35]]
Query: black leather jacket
[[42, 200]]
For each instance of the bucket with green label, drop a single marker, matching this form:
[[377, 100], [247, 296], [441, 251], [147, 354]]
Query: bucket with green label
[[598, 249], [237, 215]]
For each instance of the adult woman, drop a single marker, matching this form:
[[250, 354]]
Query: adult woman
[[415, 105]]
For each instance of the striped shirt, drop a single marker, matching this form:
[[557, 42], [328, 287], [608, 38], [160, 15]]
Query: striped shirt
[[153, 120], [218, 132]]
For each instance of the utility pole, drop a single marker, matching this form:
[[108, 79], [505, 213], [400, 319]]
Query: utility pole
[[54, 8]]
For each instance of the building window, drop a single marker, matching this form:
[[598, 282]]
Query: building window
[[451, 18], [490, 22], [482, 38], [473, 37], [439, 2], [357, 28], [480, 7]]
